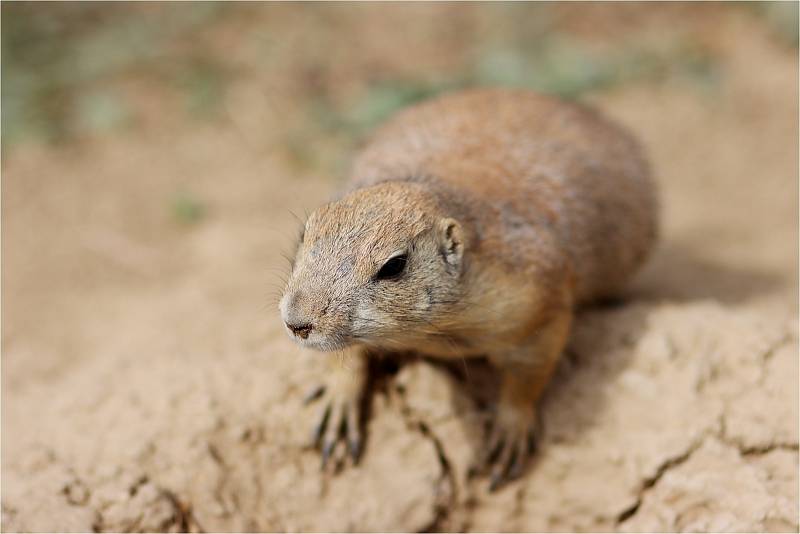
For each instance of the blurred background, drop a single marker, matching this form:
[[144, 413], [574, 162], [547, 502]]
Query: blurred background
[[156, 156], [79, 70]]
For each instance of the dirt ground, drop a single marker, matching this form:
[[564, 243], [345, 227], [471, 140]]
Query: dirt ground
[[147, 384]]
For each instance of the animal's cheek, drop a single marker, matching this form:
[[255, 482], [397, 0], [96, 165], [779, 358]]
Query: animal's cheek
[[366, 316], [424, 299]]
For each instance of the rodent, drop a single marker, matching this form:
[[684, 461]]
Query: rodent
[[473, 224]]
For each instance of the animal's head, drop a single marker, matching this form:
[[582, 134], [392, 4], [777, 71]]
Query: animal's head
[[378, 267]]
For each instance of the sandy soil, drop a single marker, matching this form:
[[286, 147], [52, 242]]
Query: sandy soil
[[147, 384]]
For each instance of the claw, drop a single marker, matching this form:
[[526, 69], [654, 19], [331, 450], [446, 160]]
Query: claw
[[327, 449], [518, 463], [354, 446], [314, 394], [319, 428], [493, 449], [498, 476], [353, 432], [333, 432], [500, 472]]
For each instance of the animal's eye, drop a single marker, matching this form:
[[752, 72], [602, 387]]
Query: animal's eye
[[393, 268]]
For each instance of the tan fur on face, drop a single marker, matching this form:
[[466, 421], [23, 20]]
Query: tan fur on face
[[346, 243]]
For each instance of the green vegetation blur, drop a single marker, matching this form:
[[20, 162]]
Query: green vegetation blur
[[62, 63]]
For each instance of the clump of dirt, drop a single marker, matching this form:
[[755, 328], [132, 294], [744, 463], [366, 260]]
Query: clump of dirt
[[148, 386]]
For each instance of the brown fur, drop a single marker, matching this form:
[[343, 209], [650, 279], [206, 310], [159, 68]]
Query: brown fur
[[512, 207]]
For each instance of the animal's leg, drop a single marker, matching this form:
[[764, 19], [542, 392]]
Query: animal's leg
[[526, 372]]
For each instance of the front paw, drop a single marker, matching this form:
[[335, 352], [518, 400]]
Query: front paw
[[509, 444], [337, 432]]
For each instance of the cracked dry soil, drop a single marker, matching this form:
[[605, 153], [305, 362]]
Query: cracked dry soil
[[148, 387]]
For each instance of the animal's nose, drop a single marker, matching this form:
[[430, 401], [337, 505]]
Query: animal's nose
[[300, 330]]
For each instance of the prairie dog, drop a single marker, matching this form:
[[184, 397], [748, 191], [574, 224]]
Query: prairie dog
[[473, 224]]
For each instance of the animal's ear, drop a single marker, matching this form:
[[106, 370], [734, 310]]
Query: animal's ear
[[451, 241]]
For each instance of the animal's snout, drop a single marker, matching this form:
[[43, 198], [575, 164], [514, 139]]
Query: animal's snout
[[300, 330], [295, 320]]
